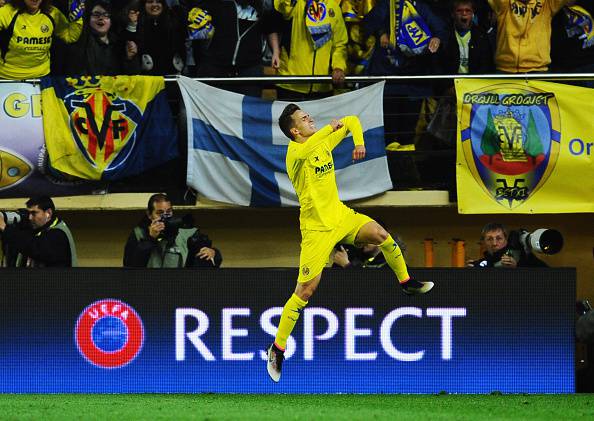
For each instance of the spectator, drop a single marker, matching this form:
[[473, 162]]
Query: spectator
[[156, 37], [28, 29], [162, 241], [405, 57], [237, 44], [572, 46], [397, 54], [467, 51], [313, 42], [43, 241], [98, 51], [500, 252], [524, 34]]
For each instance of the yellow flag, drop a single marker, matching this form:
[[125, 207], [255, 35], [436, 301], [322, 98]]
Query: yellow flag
[[524, 147]]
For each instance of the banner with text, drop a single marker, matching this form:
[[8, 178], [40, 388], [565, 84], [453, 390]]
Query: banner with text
[[24, 169], [524, 147], [90, 330]]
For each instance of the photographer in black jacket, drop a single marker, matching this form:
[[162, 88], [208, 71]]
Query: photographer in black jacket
[[36, 237], [162, 241], [503, 249]]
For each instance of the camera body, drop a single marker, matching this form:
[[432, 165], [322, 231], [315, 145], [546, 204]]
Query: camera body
[[172, 226], [19, 217]]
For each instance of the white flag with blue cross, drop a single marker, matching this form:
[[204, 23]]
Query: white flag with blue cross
[[236, 150]]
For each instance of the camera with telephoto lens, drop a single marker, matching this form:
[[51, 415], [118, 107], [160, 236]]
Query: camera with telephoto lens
[[19, 217], [543, 240]]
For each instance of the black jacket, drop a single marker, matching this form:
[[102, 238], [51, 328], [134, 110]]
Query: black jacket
[[237, 42], [44, 245], [480, 55], [526, 260]]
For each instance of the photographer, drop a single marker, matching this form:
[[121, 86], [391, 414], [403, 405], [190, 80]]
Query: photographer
[[36, 237], [163, 241], [503, 249]]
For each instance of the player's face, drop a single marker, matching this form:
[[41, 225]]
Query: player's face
[[304, 124], [161, 209], [494, 241], [463, 14], [39, 217]]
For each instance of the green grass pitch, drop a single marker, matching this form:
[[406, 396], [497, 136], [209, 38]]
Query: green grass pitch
[[296, 407]]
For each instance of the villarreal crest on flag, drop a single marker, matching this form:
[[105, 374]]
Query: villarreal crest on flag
[[107, 127]]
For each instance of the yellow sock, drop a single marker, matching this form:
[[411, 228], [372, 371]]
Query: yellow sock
[[289, 317], [395, 260]]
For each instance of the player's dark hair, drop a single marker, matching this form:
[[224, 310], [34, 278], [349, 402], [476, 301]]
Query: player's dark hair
[[493, 226], [157, 197], [285, 121], [42, 202]]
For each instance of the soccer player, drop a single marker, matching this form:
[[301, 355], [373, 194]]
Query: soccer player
[[324, 219]]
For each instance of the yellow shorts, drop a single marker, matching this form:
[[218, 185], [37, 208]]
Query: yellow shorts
[[316, 246]]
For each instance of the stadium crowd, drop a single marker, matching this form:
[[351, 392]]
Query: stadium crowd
[[228, 38], [304, 37]]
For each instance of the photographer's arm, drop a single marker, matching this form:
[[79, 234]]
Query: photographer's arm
[[52, 248], [137, 253]]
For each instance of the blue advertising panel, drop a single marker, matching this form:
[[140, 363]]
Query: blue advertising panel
[[185, 331]]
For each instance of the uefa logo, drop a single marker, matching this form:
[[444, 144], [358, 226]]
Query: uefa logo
[[109, 334]]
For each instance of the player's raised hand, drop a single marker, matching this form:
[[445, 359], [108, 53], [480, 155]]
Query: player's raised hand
[[336, 124], [359, 152]]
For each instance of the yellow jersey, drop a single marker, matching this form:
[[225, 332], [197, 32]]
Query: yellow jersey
[[28, 54], [310, 167]]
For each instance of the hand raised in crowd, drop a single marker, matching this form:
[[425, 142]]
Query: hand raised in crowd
[[131, 50], [434, 44], [341, 257], [508, 261], [156, 228], [359, 152], [337, 77], [206, 253], [336, 124]]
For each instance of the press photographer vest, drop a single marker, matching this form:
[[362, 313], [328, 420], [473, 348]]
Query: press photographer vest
[[22, 261], [168, 255]]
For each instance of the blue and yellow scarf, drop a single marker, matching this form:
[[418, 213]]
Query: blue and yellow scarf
[[579, 24], [317, 22], [408, 29]]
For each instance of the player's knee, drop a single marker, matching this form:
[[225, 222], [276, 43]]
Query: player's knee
[[306, 289], [382, 235]]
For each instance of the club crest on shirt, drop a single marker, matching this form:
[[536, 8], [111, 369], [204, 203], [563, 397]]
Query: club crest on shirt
[[316, 11], [44, 29], [510, 136]]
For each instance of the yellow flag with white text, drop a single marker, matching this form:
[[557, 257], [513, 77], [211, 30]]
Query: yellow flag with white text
[[524, 147]]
